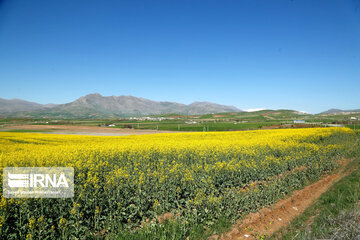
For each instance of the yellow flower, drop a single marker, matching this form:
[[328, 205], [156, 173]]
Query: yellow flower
[[205, 164], [62, 222], [97, 210], [40, 219], [188, 176], [32, 223], [156, 203], [73, 211], [3, 202]]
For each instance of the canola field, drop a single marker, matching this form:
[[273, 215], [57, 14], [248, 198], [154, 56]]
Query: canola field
[[163, 186]]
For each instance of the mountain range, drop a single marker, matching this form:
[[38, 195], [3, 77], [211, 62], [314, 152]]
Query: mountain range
[[17, 105], [98, 106], [339, 111]]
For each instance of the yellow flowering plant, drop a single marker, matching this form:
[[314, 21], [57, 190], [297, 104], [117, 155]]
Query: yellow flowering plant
[[122, 181]]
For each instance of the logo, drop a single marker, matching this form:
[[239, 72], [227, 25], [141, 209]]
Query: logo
[[34, 180], [39, 182], [18, 180]]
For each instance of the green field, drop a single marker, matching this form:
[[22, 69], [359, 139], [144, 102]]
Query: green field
[[208, 122], [354, 126], [206, 126]]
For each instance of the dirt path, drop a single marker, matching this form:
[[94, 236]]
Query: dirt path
[[269, 220], [85, 130], [268, 117]]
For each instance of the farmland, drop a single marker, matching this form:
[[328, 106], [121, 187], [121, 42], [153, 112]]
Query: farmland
[[164, 186], [231, 121]]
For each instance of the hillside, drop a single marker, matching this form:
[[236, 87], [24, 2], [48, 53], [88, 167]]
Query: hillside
[[339, 111], [98, 106], [17, 105]]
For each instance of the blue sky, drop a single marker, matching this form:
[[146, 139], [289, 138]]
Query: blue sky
[[292, 54]]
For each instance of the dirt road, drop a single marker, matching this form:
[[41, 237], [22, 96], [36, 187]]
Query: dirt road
[[269, 220]]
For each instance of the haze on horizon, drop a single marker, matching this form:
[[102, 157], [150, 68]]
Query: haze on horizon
[[302, 55]]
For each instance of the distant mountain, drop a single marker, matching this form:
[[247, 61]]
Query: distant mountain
[[98, 106], [17, 105], [197, 108], [332, 111], [339, 111]]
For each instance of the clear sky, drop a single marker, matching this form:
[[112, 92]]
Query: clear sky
[[294, 54]]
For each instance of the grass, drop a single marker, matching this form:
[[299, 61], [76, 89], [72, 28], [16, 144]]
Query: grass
[[335, 215], [353, 126]]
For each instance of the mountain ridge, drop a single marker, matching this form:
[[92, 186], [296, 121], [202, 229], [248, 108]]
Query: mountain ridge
[[16, 105], [338, 111], [96, 105]]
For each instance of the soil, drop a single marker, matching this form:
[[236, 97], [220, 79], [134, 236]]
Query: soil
[[268, 117], [269, 220], [278, 126], [85, 130]]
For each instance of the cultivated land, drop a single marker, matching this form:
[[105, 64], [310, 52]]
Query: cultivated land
[[81, 130], [171, 186], [233, 121], [268, 221], [173, 217], [336, 214]]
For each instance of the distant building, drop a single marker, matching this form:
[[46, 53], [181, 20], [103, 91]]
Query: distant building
[[299, 121], [333, 125], [353, 118], [150, 118], [111, 125]]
